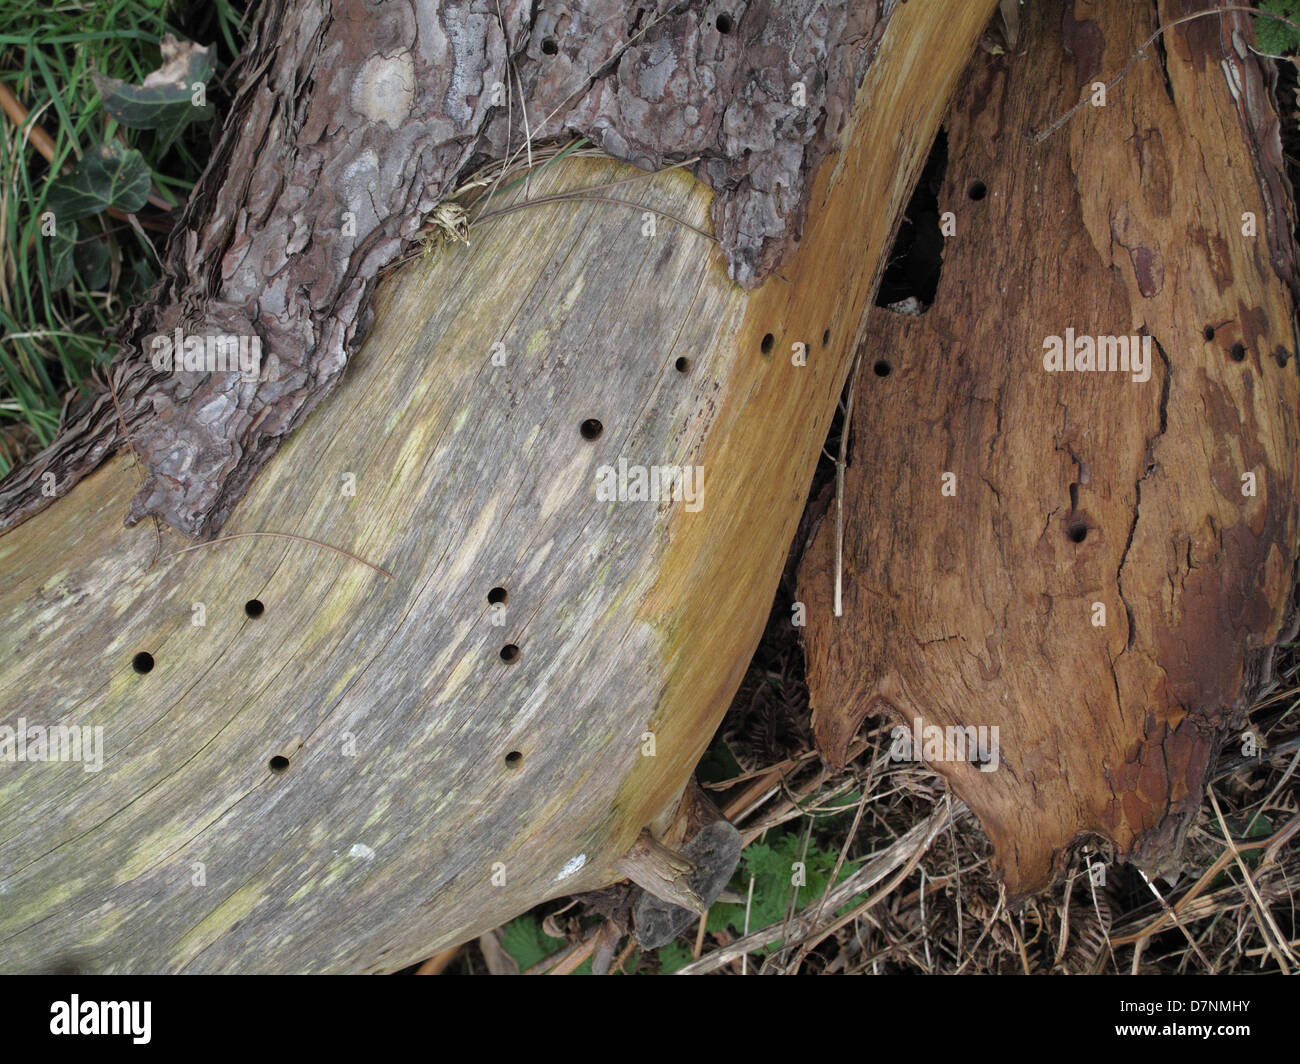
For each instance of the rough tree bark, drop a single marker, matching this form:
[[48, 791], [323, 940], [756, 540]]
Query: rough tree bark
[[1115, 560], [353, 120], [354, 775]]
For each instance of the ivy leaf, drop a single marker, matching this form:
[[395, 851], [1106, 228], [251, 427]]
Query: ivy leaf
[[60, 250], [165, 100], [92, 261], [109, 176]]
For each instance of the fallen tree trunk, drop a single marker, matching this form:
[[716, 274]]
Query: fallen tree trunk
[[314, 762], [1092, 562]]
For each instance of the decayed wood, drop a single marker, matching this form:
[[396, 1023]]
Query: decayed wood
[[661, 871], [400, 821], [352, 120], [1116, 557]]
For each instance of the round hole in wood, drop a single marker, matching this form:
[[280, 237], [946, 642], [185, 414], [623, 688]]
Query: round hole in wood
[[591, 429], [142, 662], [1078, 532], [510, 652], [1237, 352], [549, 47], [767, 342], [978, 190], [682, 364], [254, 608], [882, 368], [278, 764], [1208, 333], [497, 596], [725, 23], [514, 759]]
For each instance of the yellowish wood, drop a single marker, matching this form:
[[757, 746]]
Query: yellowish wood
[[402, 823]]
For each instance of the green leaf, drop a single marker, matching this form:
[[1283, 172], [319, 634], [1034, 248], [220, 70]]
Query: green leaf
[[92, 261], [527, 943], [60, 250], [109, 176], [1277, 38], [673, 957], [772, 866], [164, 101]]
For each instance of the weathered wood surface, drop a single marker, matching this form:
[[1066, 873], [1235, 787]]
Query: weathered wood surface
[[389, 698], [1079, 491], [353, 119]]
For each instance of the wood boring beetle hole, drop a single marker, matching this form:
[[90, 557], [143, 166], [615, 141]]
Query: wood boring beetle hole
[[497, 596], [254, 608], [978, 190], [1078, 532], [1237, 352], [142, 662], [724, 23], [591, 429], [1209, 332], [766, 345], [826, 337], [510, 652], [882, 368], [278, 764], [549, 47], [514, 759], [682, 364]]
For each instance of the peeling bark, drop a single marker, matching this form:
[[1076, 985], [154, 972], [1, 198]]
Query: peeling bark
[[353, 120]]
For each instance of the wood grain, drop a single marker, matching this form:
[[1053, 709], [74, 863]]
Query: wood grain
[[378, 844], [1079, 491]]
